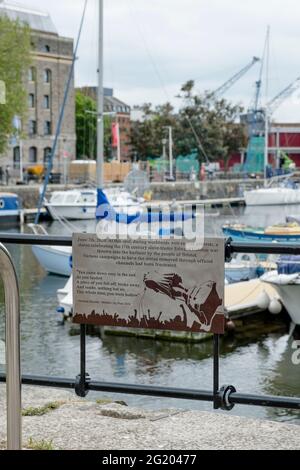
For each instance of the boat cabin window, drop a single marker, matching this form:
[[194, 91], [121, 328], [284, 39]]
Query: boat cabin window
[[246, 258], [88, 197]]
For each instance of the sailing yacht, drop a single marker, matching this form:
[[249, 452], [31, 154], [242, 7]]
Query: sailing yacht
[[81, 204], [286, 193]]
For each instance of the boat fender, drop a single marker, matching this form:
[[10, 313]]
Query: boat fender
[[263, 301], [275, 306], [230, 325]]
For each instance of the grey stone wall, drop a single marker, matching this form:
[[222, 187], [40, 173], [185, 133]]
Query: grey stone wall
[[161, 191]]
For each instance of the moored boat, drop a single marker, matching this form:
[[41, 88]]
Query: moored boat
[[9, 208], [54, 259], [80, 204], [272, 197], [289, 233], [286, 282]]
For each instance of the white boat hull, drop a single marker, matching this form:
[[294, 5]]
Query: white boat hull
[[290, 297], [272, 197], [86, 212], [71, 212], [55, 260]]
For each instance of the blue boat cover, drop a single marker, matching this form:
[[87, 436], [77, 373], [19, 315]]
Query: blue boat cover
[[288, 265], [106, 211]]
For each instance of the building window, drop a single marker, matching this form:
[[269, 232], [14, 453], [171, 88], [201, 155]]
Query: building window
[[31, 100], [47, 102], [46, 48], [32, 127], [47, 128], [47, 154], [32, 155], [32, 74], [47, 76], [17, 158]]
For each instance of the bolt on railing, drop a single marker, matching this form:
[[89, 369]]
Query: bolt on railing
[[13, 367]]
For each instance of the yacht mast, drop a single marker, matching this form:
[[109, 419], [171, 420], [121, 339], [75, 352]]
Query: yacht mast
[[267, 114], [100, 104]]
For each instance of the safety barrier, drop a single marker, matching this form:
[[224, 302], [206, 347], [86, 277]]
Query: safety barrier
[[225, 397]]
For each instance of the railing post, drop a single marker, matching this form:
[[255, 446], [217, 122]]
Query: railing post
[[13, 367]]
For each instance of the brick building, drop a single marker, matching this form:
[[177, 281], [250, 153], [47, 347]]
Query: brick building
[[283, 137], [46, 81], [121, 114]]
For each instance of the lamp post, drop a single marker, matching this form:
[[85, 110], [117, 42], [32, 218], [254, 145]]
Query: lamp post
[[164, 143], [171, 170]]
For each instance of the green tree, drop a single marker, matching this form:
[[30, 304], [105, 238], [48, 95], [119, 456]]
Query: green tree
[[209, 124], [204, 123], [15, 59], [148, 133], [86, 128]]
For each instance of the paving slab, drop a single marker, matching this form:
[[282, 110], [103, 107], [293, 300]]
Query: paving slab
[[84, 425]]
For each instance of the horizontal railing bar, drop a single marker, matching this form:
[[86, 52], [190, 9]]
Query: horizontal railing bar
[[162, 392], [266, 401], [236, 247], [265, 248], [28, 239]]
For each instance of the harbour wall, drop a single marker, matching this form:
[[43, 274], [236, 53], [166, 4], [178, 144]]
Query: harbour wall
[[180, 191]]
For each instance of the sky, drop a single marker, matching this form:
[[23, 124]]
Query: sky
[[152, 47]]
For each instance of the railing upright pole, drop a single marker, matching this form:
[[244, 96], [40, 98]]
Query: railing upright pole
[[13, 367]]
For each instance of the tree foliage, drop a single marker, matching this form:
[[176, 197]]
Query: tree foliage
[[15, 59], [204, 123], [86, 129], [148, 133], [86, 126]]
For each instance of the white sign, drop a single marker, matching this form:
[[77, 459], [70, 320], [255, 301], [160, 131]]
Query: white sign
[[156, 284]]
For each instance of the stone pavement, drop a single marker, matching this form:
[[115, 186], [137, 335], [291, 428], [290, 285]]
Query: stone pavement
[[79, 424]]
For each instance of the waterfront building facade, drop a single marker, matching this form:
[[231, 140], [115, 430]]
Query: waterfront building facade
[[45, 85]]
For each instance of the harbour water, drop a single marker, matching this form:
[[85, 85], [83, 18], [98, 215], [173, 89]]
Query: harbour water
[[260, 365]]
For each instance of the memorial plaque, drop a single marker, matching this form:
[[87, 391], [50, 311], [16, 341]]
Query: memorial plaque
[[150, 284]]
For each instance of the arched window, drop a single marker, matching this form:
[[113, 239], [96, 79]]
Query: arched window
[[47, 127], [46, 101], [31, 100], [32, 155], [47, 154], [32, 74], [32, 127], [47, 76], [17, 158]]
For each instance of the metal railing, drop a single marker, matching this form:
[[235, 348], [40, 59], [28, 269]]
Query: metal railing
[[225, 397], [13, 368]]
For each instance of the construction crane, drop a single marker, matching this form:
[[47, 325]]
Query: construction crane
[[254, 118], [279, 99], [218, 93], [227, 85], [258, 122]]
